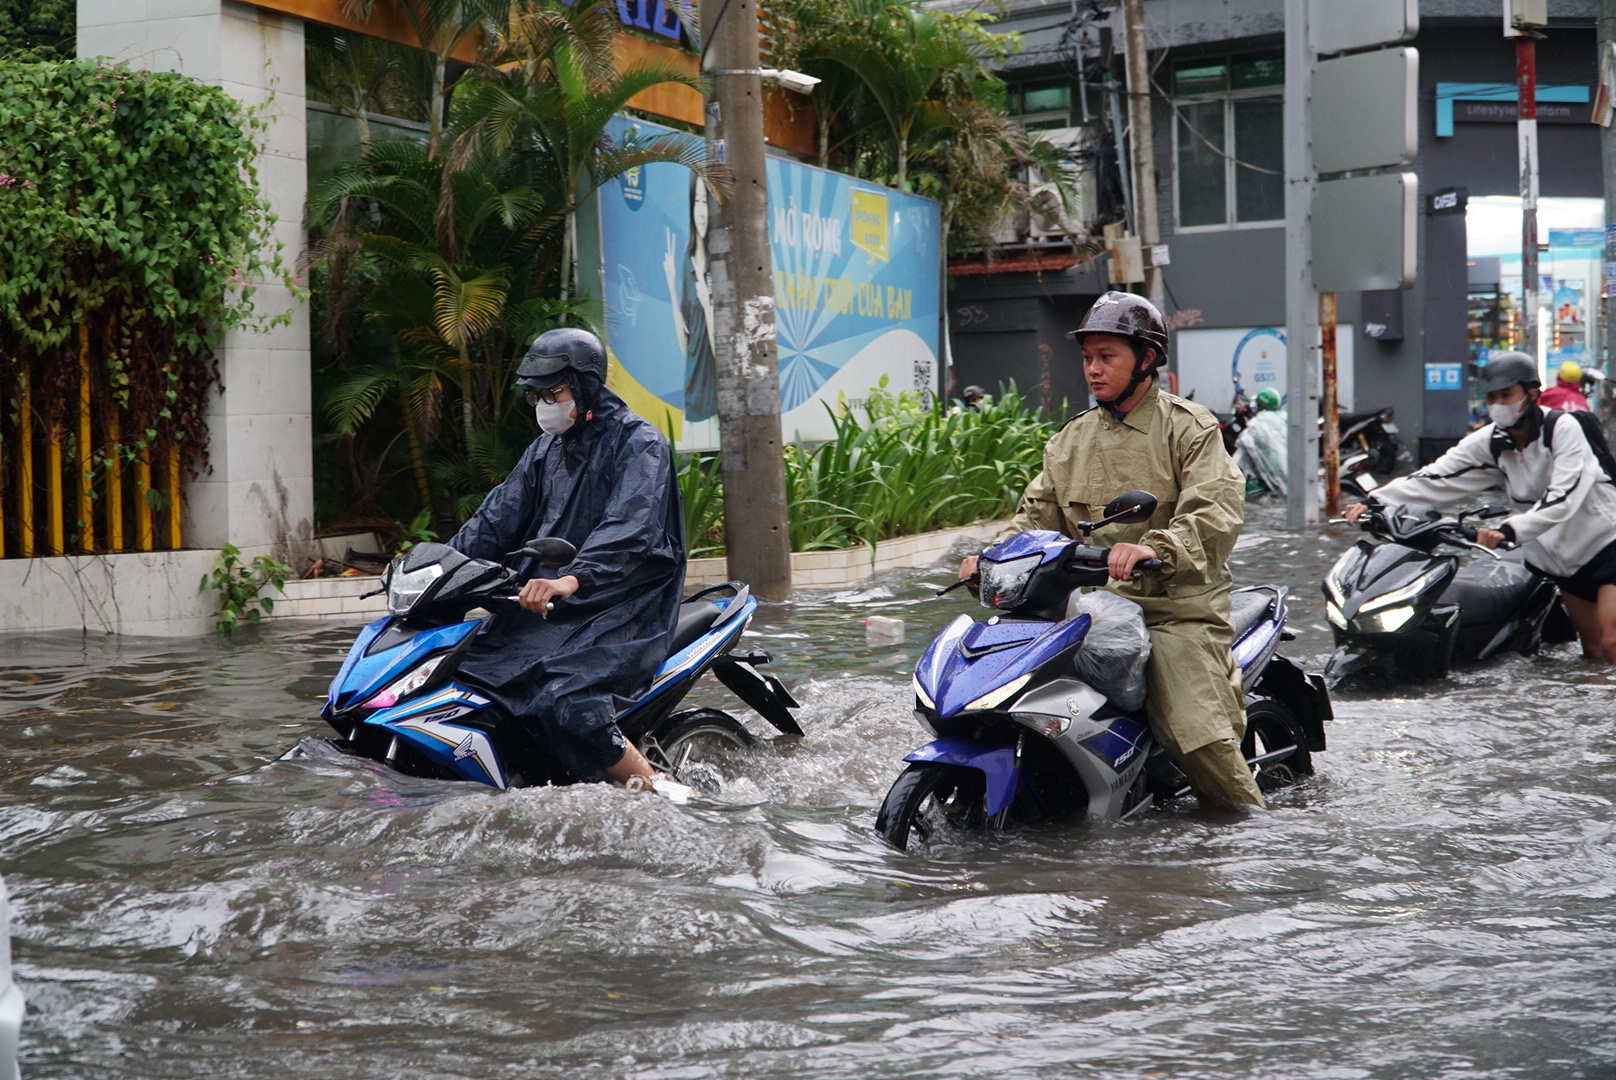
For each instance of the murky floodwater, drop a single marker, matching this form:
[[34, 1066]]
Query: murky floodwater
[[1437, 903]]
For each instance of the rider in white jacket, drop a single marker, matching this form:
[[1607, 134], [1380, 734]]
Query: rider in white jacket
[[1565, 506]]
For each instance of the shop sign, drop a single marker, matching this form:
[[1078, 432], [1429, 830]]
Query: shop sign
[[1444, 376]]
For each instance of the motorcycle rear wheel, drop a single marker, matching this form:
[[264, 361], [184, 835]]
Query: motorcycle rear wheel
[[693, 737], [928, 798], [1271, 728]]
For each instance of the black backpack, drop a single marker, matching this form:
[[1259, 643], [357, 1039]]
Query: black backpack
[[1591, 430]]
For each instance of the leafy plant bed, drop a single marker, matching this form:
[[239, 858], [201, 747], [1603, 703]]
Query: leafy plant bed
[[896, 468]]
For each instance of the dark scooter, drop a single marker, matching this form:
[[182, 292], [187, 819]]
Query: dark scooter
[[399, 698], [1402, 611], [1020, 737]]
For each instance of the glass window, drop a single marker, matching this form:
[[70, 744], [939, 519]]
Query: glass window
[[1257, 69], [1259, 139], [1230, 140], [1201, 76], [1202, 176], [1044, 97]]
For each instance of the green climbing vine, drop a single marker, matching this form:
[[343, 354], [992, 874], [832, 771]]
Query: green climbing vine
[[132, 232]]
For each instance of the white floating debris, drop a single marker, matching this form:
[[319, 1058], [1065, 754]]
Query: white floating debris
[[883, 629]]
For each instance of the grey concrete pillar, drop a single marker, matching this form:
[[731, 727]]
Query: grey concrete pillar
[[259, 493]]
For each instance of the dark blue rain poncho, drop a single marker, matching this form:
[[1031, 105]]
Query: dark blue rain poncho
[[607, 485]]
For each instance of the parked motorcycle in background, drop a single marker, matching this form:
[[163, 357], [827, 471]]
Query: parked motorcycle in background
[[1038, 710], [1261, 454], [1401, 610]]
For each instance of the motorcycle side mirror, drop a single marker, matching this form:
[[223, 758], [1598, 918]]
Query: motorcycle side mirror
[[1129, 508], [551, 551]]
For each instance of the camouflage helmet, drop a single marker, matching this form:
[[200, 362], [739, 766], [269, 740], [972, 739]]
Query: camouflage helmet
[[1126, 315]]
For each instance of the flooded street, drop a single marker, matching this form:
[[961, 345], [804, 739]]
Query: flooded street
[[1439, 902]]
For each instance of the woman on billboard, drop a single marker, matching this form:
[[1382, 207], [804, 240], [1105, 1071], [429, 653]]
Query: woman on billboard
[[692, 302]]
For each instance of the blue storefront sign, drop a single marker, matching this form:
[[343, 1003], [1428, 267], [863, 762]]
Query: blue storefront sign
[[1444, 376], [856, 290]]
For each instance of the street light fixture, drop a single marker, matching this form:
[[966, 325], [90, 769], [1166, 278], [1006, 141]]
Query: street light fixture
[[795, 81]]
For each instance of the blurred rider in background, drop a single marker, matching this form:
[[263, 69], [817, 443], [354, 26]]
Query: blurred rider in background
[[1567, 392]]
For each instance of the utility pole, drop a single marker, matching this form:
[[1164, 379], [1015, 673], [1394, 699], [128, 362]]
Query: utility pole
[[1142, 141], [1526, 142], [1330, 409], [756, 537], [1607, 146], [1301, 300]]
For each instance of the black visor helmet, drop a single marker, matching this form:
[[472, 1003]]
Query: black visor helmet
[[555, 351]]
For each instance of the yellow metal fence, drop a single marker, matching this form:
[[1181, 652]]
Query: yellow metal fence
[[79, 483]]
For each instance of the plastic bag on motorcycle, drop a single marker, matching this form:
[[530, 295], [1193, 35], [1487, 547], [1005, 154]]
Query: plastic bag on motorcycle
[[1116, 649]]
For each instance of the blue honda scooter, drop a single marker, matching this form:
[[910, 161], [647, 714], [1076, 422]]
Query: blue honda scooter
[[1029, 728], [399, 698]]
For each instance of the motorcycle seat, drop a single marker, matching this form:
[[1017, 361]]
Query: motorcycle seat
[[1352, 419], [695, 619], [1488, 591], [1246, 609]]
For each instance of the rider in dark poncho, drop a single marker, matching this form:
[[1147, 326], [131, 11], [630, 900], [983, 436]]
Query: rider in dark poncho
[[601, 478]]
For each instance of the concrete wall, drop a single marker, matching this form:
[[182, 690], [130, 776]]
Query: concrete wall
[[259, 494], [146, 593]]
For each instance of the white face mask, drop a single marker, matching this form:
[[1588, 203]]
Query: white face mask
[[1505, 416], [556, 418]]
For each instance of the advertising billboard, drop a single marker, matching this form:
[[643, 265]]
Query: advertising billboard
[[1211, 362], [856, 284]]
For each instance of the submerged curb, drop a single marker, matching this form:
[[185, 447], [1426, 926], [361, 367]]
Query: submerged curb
[[339, 598], [847, 566]]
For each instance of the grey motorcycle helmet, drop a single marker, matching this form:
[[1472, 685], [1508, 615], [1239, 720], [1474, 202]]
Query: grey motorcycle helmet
[[1505, 369], [554, 351]]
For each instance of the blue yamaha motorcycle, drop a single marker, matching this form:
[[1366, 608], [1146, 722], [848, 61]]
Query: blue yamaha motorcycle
[[398, 698], [1038, 710]]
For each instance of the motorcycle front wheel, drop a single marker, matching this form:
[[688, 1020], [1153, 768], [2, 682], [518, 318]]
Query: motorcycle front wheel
[[928, 798]]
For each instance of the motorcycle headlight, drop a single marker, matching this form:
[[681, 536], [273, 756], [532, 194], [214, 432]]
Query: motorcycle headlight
[[401, 688], [1385, 622], [1004, 582], [921, 695], [1339, 580], [403, 590], [994, 698], [1333, 613], [1408, 593]]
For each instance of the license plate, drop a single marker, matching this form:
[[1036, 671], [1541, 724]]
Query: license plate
[[1389, 428]]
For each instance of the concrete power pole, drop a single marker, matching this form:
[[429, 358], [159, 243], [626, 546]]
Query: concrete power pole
[[1526, 139], [1142, 141], [742, 267], [1607, 146], [1301, 300]]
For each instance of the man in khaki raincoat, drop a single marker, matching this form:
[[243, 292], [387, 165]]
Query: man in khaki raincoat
[[1143, 437]]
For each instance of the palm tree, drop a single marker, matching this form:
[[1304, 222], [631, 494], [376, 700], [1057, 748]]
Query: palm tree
[[458, 250], [441, 27], [546, 97]]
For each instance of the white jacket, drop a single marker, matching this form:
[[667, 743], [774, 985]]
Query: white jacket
[[1565, 509]]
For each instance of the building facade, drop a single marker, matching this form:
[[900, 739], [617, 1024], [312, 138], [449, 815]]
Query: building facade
[[1217, 69]]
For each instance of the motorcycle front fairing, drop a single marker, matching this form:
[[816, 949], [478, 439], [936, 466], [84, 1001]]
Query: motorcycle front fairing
[[384, 652]]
